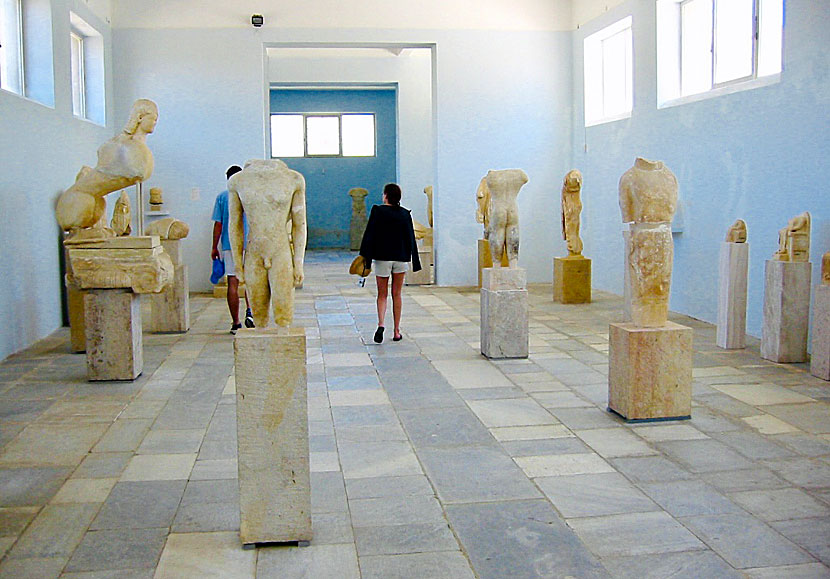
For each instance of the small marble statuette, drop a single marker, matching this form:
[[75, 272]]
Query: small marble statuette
[[648, 200], [737, 233], [825, 269], [498, 210], [358, 222], [124, 160], [156, 199], [121, 216], [271, 196], [571, 208], [794, 240]]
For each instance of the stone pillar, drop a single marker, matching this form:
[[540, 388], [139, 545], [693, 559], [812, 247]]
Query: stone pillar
[[820, 355], [650, 372], [734, 265], [786, 311], [572, 280], [485, 258], [77, 328], [113, 334], [272, 436], [170, 308], [504, 313]]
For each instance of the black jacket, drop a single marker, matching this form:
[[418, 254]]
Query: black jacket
[[389, 236]]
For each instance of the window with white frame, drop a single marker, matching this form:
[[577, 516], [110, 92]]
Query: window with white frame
[[86, 54], [11, 46], [706, 45], [608, 73], [26, 49], [322, 135]]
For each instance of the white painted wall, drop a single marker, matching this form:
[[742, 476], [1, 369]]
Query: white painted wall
[[41, 150]]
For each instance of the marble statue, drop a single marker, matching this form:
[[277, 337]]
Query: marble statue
[[737, 233], [428, 193], [359, 219], [168, 228], [498, 210], [124, 160], [571, 208], [271, 195], [156, 198], [794, 240], [825, 269], [648, 200], [121, 216]]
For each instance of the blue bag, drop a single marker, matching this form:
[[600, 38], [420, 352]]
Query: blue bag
[[218, 271]]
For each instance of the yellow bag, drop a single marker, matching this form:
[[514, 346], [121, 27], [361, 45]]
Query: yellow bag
[[359, 267]]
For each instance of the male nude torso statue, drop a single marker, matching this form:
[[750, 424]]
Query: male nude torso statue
[[497, 194], [271, 196], [571, 208]]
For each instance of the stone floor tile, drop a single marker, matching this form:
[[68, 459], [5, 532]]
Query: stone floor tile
[[33, 568], [693, 497], [395, 510], [207, 517], [172, 442], [213, 491], [365, 488], [205, 555], [561, 399], [811, 534], [568, 445], [328, 493], [664, 432], [441, 565], [805, 571], [375, 415], [744, 542], [444, 427], [562, 465], [614, 442], [140, 505], [55, 532], [589, 495], [331, 528], [365, 382], [754, 445], [29, 486], [650, 469], [704, 455], [634, 534], [491, 393], [804, 472], [214, 469], [463, 374], [511, 433], [51, 445], [85, 490], [367, 459], [780, 504], [125, 548], [585, 418], [511, 412], [348, 359], [745, 480], [124, 435], [152, 467], [103, 465], [766, 424], [358, 397], [13, 520], [312, 562], [762, 394], [813, 417], [806, 444], [323, 461], [688, 565], [408, 538]]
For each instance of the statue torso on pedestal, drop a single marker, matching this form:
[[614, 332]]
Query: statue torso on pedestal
[[502, 213]]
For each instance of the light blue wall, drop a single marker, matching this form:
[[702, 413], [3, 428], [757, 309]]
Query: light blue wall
[[759, 155], [329, 179]]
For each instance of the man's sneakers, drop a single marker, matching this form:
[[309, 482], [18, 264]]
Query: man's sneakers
[[249, 319], [235, 327]]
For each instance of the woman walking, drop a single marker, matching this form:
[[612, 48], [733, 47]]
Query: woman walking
[[389, 241]]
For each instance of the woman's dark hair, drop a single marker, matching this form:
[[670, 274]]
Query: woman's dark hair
[[393, 193], [232, 170]]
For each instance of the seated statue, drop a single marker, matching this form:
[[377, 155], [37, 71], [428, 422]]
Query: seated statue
[[272, 197], [124, 160], [498, 210], [794, 240], [737, 233]]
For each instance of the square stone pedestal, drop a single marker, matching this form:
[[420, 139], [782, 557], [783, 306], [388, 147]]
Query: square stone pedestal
[[77, 328], [485, 258], [113, 334], [170, 309], [272, 435], [733, 267], [572, 280], [786, 311], [424, 275], [820, 355], [650, 372], [504, 314]]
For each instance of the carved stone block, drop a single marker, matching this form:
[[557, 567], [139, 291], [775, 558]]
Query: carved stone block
[[504, 313], [572, 280], [820, 355], [113, 334], [424, 276], [786, 311], [77, 327], [272, 435], [485, 258], [172, 247], [650, 372], [734, 265], [170, 309]]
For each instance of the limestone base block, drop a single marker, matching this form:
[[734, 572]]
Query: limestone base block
[[786, 311], [650, 372], [138, 263], [504, 313], [220, 290], [424, 276], [485, 258], [170, 309], [113, 334], [272, 435], [572, 280], [820, 355], [77, 328], [173, 248], [733, 267]]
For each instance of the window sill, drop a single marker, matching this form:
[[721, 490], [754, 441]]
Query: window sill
[[723, 90], [24, 98], [605, 120]]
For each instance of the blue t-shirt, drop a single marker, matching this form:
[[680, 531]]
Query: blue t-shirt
[[220, 214]]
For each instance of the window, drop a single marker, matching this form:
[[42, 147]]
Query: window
[[706, 45], [77, 71], [11, 46], [323, 135], [608, 73], [86, 54], [26, 49]]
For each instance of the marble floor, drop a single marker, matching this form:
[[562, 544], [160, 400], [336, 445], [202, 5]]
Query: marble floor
[[428, 461]]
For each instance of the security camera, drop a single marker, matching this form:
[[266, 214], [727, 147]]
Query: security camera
[[257, 20]]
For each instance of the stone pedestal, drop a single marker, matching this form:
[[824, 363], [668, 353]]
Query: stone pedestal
[[734, 265], [170, 309], [485, 258], [77, 327], [424, 276], [113, 334], [650, 372], [820, 355], [272, 435], [626, 276], [220, 290], [504, 313], [572, 280], [786, 311]]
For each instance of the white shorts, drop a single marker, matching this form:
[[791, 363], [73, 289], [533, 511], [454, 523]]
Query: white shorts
[[230, 267], [386, 268]]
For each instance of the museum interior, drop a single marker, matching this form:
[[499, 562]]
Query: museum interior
[[614, 360]]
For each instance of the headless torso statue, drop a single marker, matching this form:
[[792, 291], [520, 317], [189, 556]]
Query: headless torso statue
[[648, 200], [124, 160], [272, 196], [571, 208], [501, 223]]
